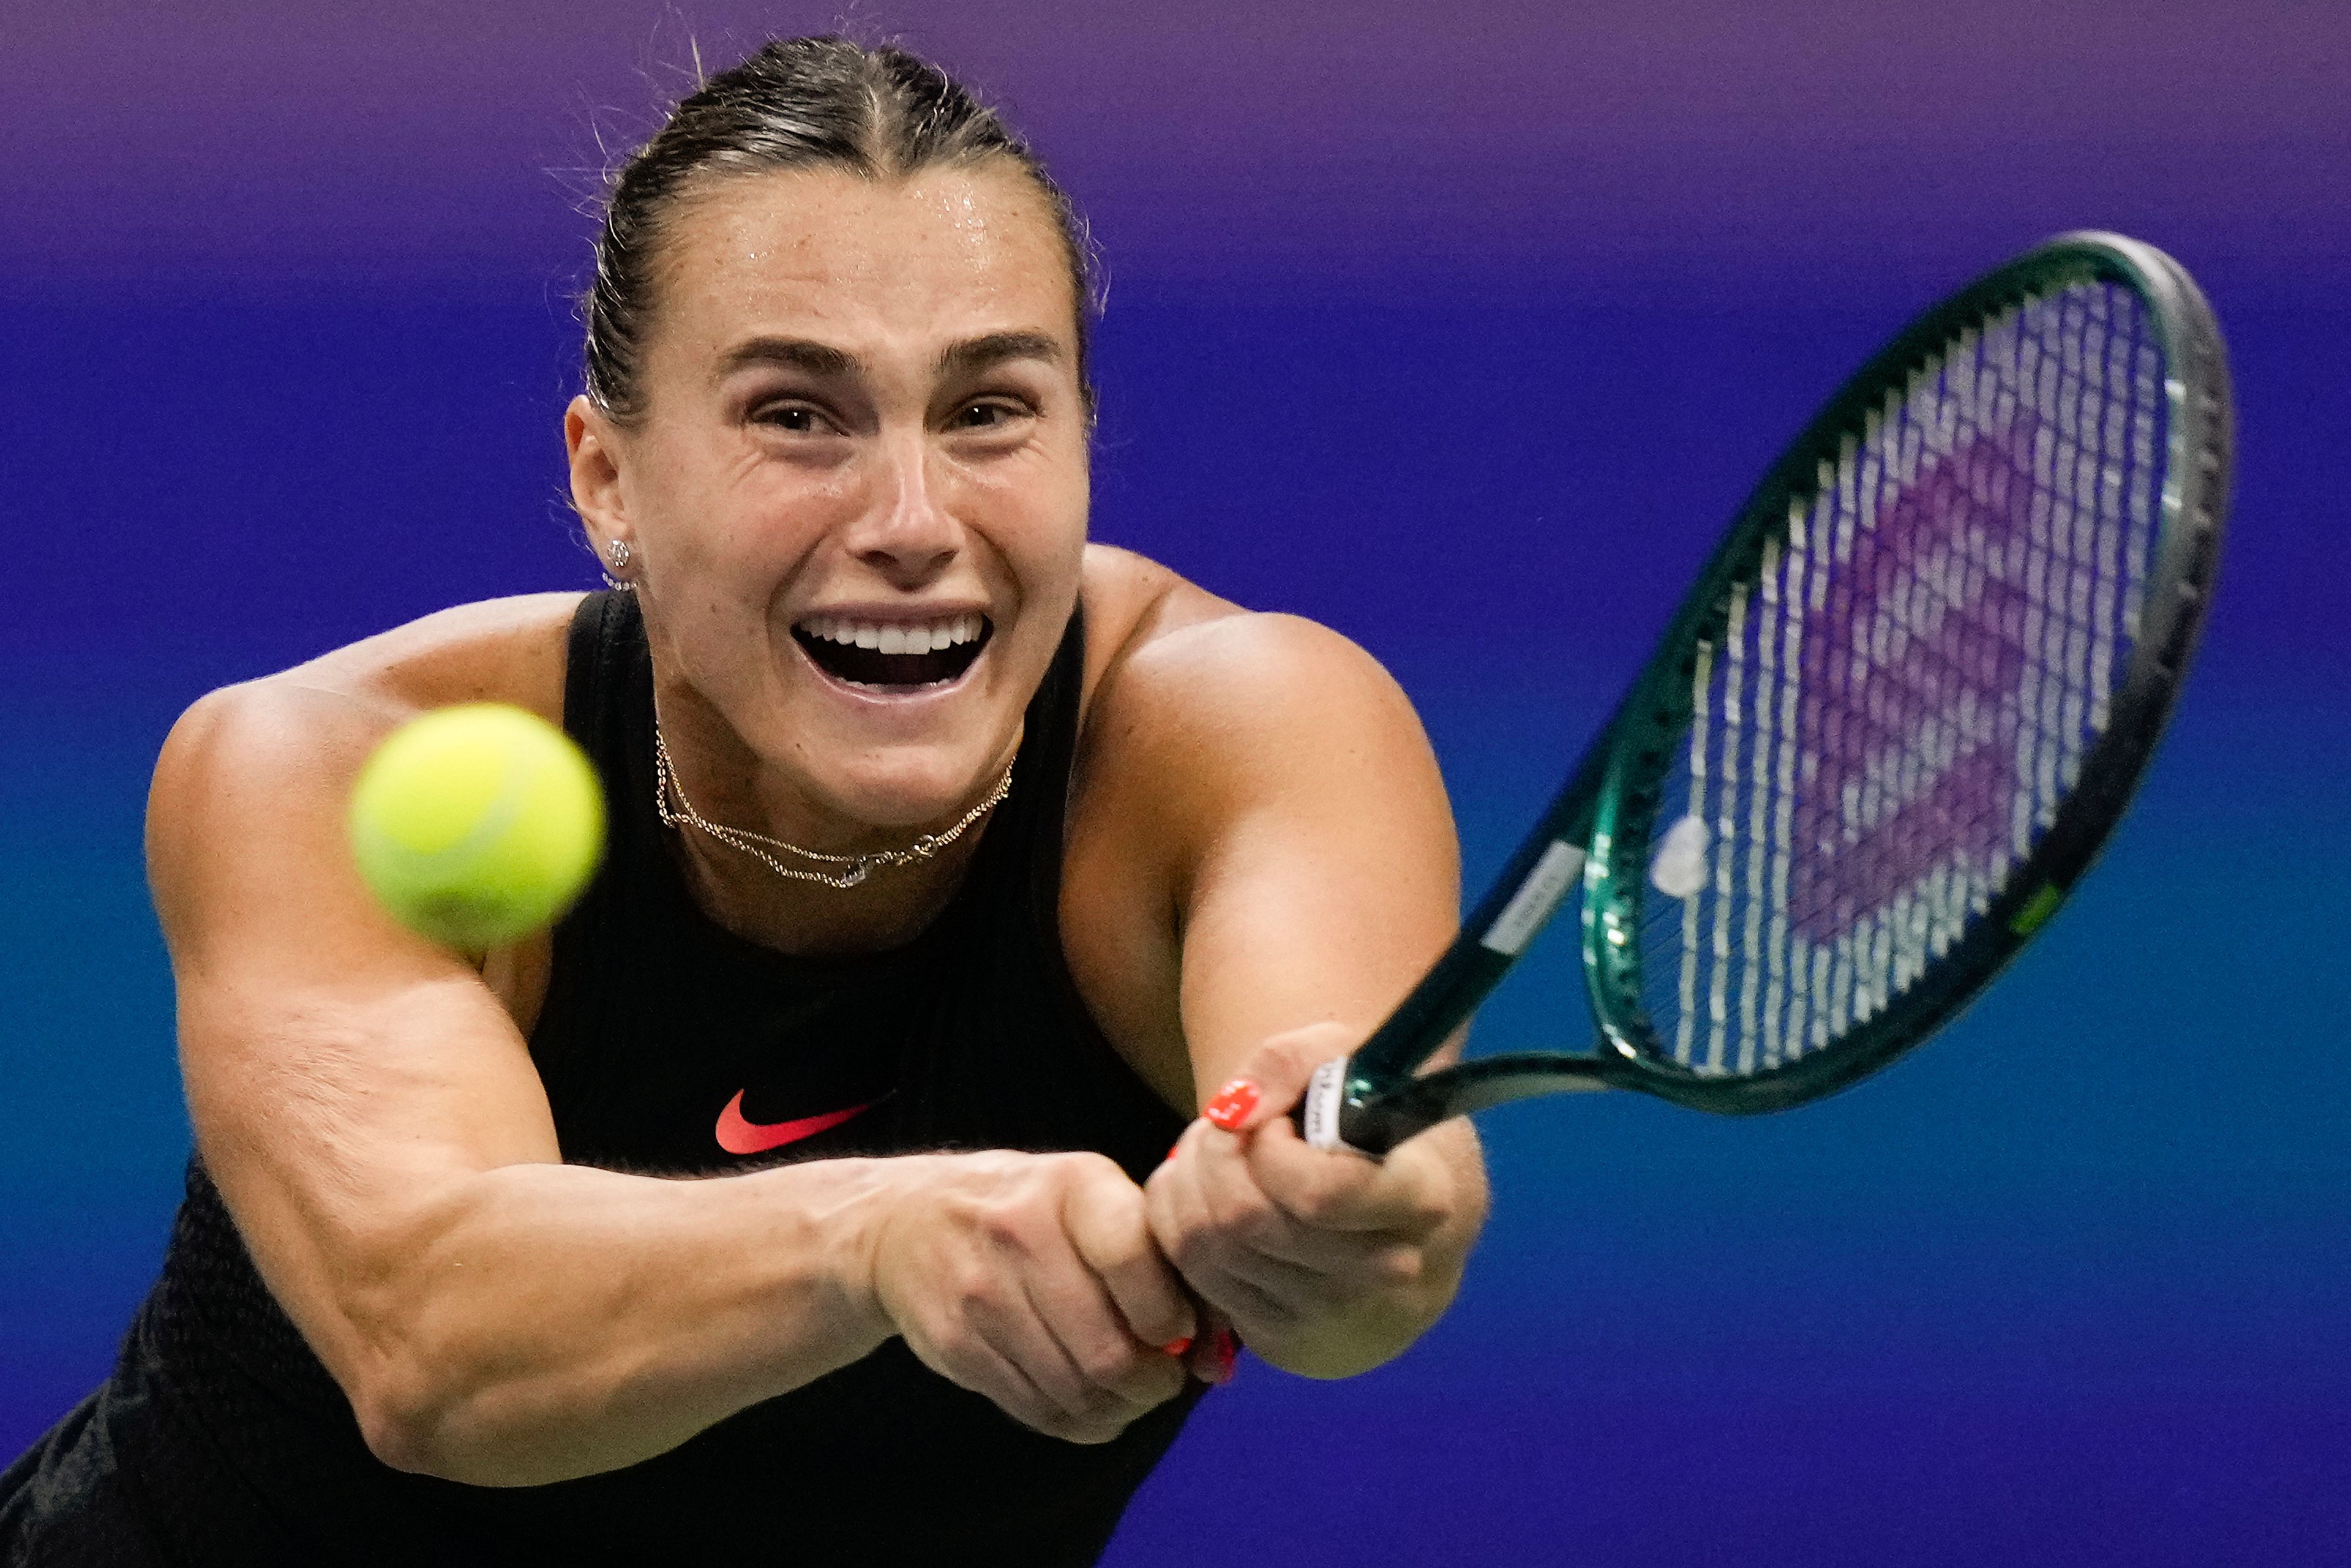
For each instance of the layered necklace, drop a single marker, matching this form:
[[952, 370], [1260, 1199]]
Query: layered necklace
[[829, 869]]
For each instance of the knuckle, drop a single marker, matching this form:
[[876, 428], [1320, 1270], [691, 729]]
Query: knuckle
[[1165, 1379], [1154, 1380], [1430, 1200], [1006, 1226], [1125, 1207], [1318, 1201], [1086, 1167], [1261, 1223], [1108, 1363], [1118, 1230], [1398, 1268], [1236, 1209], [973, 1289]]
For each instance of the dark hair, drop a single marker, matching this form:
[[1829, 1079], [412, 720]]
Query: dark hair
[[797, 103]]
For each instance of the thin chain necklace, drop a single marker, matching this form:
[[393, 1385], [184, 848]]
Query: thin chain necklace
[[853, 869]]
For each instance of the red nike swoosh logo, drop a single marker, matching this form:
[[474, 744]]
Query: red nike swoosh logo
[[738, 1136]]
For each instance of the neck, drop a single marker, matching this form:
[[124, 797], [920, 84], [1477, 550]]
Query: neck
[[818, 888], [887, 910]]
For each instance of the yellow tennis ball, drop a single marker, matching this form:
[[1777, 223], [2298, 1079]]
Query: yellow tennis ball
[[477, 824]]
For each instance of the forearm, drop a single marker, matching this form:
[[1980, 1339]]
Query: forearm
[[556, 1321]]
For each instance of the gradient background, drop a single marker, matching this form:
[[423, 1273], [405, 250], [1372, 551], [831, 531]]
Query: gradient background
[[1461, 329]]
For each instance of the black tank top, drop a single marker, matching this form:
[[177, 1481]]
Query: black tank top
[[668, 1045]]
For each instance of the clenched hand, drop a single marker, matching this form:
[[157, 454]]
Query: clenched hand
[[1033, 1280], [1327, 1263]]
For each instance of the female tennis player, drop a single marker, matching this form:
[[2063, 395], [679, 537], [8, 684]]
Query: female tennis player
[[808, 1190]]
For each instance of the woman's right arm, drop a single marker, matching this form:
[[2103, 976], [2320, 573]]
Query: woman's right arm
[[372, 1118]]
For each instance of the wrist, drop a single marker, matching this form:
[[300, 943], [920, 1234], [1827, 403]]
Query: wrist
[[846, 1215], [878, 1198]]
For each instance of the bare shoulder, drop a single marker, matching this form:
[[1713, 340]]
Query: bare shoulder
[[1132, 601], [502, 650], [253, 771], [1180, 676]]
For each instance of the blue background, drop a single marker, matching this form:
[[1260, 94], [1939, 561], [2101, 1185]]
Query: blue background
[[1462, 332]]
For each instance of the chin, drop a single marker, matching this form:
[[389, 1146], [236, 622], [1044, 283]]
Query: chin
[[909, 792], [898, 735]]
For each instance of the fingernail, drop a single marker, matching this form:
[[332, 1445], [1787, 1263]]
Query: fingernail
[[1228, 1351], [1177, 1346], [1171, 1150], [1232, 1105]]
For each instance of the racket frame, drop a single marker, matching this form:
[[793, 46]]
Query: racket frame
[[1595, 832]]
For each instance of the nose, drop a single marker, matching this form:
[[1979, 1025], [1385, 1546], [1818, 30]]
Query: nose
[[908, 535]]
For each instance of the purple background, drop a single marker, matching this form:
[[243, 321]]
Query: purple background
[[1461, 329]]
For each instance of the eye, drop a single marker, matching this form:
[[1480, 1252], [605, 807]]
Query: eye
[[988, 413], [794, 418]]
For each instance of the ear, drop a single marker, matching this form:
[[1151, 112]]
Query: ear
[[593, 442]]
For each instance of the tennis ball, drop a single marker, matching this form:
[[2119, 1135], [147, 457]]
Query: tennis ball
[[477, 824]]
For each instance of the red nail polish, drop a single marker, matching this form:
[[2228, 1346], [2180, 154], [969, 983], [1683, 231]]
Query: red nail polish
[[1177, 1346], [1228, 1351], [1171, 1151], [1232, 1105]]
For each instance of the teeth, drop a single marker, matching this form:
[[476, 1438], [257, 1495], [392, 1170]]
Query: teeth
[[894, 637]]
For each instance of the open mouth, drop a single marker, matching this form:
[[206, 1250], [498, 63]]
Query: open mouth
[[893, 652]]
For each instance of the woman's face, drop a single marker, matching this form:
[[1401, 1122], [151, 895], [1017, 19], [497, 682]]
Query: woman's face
[[856, 499]]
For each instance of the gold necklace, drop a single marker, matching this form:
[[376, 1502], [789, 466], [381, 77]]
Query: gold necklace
[[854, 869]]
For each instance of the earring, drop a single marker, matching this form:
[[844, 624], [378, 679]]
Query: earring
[[620, 554]]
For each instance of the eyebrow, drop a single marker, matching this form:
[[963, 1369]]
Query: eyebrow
[[793, 353], [971, 355], [978, 353]]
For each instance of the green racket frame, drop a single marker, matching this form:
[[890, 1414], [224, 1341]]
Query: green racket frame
[[1597, 830]]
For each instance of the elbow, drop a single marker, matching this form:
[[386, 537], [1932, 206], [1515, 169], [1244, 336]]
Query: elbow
[[420, 1436], [395, 1374], [423, 1424], [415, 1417], [401, 1422], [422, 1378]]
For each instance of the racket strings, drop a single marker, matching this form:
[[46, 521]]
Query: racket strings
[[1902, 694]]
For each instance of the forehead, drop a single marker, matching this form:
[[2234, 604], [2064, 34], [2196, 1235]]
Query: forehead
[[941, 255]]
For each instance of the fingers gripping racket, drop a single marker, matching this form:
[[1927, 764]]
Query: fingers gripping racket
[[1894, 721]]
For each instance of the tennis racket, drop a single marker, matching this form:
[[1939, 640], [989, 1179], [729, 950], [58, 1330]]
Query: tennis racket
[[1891, 726]]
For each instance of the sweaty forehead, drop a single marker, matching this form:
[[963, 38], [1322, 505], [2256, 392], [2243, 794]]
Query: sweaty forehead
[[942, 255]]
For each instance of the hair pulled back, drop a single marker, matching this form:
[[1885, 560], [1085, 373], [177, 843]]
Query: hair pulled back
[[796, 103]]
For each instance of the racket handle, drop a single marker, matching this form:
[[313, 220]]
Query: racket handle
[[1322, 1110], [1339, 1110]]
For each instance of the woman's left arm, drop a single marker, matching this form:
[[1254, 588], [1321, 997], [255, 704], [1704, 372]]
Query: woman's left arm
[[1300, 828]]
